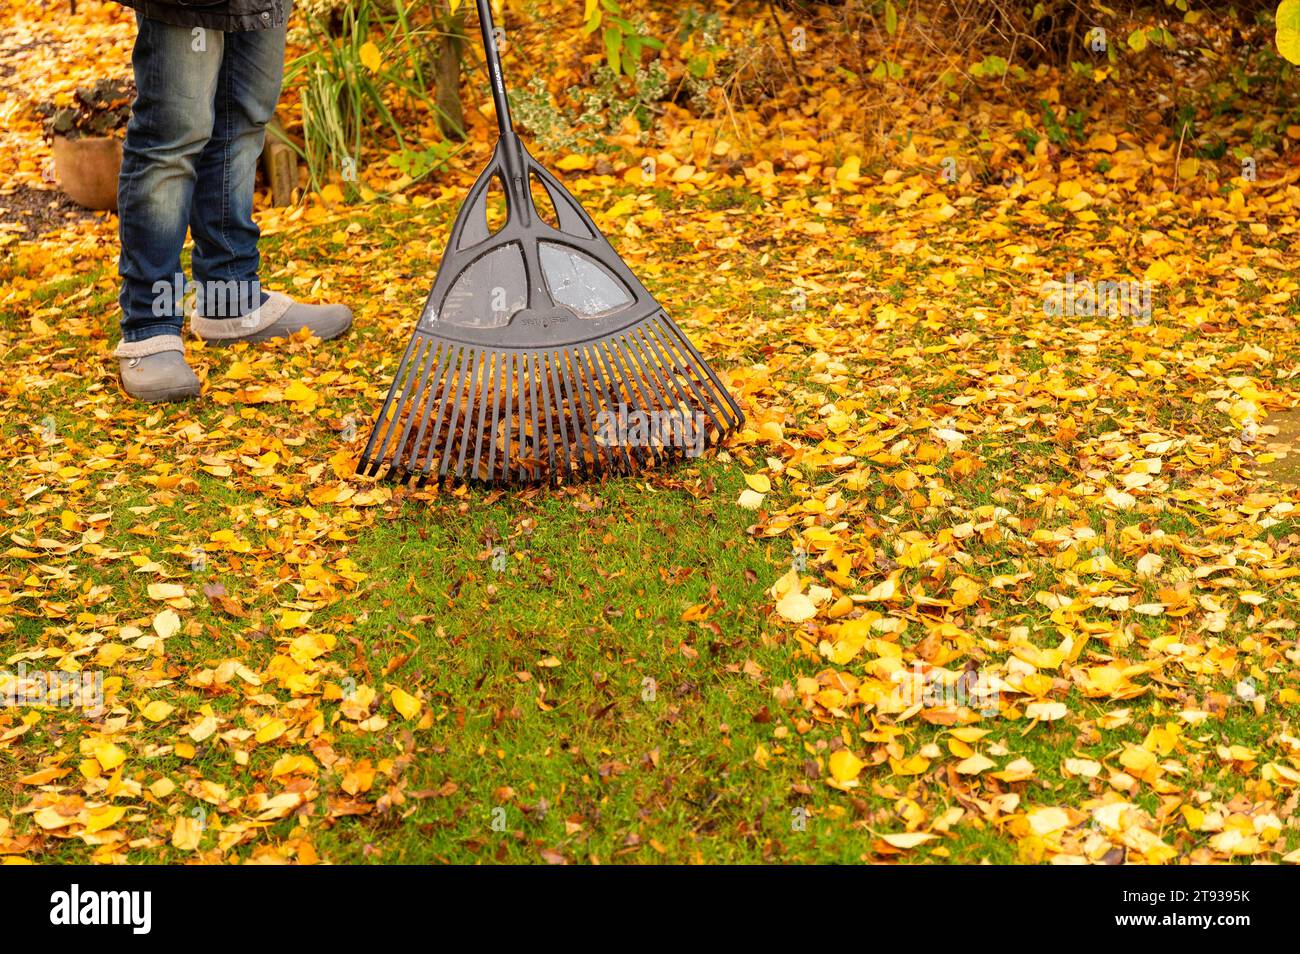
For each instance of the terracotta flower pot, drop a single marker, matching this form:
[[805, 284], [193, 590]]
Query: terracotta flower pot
[[87, 169]]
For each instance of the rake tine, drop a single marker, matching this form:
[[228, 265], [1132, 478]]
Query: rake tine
[[501, 433], [430, 397], [512, 381], [450, 391], [496, 417], [636, 391], [433, 405], [646, 385], [546, 416], [472, 387], [419, 397], [574, 410], [521, 405], [535, 405], [705, 403], [648, 369], [664, 365], [620, 397], [467, 368], [389, 427], [528, 447], [641, 351], [519, 422], [609, 352], [514, 406], [505, 397], [568, 412], [579, 393], [615, 464], [485, 389], [726, 402], [551, 358], [623, 352], [528, 443], [370, 463], [458, 423], [516, 413], [612, 405]]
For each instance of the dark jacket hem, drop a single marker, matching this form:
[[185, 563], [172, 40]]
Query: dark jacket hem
[[214, 17]]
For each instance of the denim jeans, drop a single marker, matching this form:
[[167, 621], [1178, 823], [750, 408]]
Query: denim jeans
[[197, 125]]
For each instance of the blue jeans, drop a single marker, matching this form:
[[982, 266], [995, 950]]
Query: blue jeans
[[203, 101]]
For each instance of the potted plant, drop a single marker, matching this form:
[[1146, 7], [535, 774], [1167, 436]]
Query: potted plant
[[86, 131]]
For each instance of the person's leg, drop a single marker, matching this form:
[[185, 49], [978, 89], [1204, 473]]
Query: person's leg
[[225, 260], [233, 306], [171, 121]]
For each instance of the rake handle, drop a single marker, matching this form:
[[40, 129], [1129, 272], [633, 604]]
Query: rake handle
[[499, 97]]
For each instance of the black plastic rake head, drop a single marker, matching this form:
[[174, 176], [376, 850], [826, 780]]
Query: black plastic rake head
[[539, 355]]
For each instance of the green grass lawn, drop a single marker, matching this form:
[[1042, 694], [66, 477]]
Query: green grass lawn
[[575, 713]]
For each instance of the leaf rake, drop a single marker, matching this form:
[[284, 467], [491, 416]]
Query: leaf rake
[[539, 356]]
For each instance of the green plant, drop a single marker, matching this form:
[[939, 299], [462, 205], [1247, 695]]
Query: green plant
[[701, 29], [1057, 134], [887, 69], [535, 111], [1214, 150], [419, 163], [623, 39], [994, 66], [711, 65], [362, 58], [96, 110], [1074, 121], [601, 108]]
